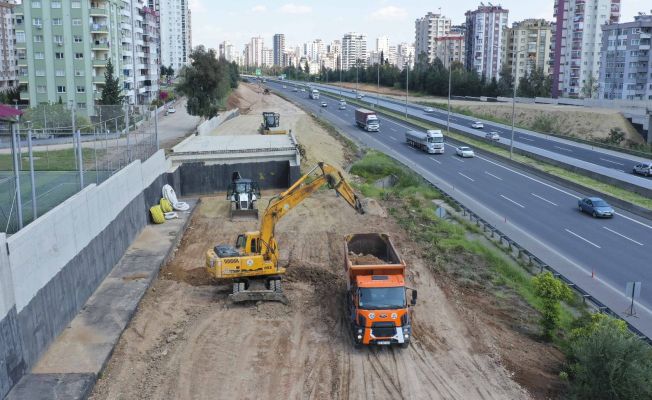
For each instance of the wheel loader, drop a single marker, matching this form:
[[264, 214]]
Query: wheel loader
[[252, 264], [271, 120], [244, 195]]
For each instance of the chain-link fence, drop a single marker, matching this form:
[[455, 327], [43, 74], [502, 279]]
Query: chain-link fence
[[54, 152]]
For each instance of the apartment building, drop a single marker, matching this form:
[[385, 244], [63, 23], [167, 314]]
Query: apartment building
[[626, 60], [140, 50], [484, 37], [62, 49], [354, 49], [227, 51], [428, 30], [526, 47], [405, 55], [7, 51], [279, 49], [577, 43], [254, 52], [174, 32], [268, 57]]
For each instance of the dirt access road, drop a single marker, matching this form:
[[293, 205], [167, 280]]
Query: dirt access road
[[188, 342]]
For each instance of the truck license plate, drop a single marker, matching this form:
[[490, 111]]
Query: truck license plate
[[384, 342]]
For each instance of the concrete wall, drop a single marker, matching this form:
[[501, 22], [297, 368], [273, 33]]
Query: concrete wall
[[201, 178], [50, 268], [208, 126]]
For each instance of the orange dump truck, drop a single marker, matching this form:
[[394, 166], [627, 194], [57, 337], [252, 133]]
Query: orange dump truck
[[377, 296]]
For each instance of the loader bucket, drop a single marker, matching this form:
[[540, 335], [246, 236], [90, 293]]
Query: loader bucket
[[244, 214]]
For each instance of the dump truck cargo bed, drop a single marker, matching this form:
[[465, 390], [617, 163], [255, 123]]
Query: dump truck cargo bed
[[371, 254]]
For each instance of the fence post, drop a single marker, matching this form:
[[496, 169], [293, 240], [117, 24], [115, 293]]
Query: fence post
[[15, 142], [80, 160], [156, 128], [31, 173], [127, 133]]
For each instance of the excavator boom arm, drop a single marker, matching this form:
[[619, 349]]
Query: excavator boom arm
[[299, 191]]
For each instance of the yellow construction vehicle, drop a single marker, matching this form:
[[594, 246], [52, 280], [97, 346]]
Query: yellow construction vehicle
[[271, 120], [253, 263]]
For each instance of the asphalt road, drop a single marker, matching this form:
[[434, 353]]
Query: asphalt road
[[609, 252], [615, 164]]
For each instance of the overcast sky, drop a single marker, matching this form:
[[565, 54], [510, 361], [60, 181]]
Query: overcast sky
[[302, 21]]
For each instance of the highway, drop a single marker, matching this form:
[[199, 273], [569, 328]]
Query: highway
[[600, 255], [608, 162]]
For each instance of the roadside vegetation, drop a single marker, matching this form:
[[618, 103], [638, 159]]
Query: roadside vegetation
[[207, 82], [604, 360]]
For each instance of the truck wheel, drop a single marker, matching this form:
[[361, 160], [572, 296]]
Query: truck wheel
[[405, 345], [357, 345], [276, 284]]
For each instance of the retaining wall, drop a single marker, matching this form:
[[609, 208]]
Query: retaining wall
[[202, 178], [51, 267], [207, 127]]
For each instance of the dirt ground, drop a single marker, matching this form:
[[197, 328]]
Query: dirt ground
[[582, 122], [187, 341]]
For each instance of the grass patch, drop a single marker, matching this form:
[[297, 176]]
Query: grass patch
[[54, 160], [448, 245], [586, 181]]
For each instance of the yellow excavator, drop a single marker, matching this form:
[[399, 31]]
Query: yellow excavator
[[253, 263]]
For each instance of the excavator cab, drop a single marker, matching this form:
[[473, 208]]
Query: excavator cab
[[271, 120]]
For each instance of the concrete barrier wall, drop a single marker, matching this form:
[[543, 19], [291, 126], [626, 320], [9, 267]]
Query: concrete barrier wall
[[51, 267], [208, 126]]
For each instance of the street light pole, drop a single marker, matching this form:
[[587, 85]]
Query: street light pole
[[511, 142], [407, 88], [378, 89], [450, 73]]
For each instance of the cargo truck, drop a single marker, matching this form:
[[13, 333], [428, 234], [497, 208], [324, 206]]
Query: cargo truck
[[432, 141], [377, 304], [367, 119], [314, 94]]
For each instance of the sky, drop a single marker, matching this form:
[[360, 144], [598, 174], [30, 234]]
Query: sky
[[214, 21]]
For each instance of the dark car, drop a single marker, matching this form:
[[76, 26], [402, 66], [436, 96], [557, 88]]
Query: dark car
[[596, 207]]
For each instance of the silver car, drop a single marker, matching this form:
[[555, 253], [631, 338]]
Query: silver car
[[644, 168], [465, 152]]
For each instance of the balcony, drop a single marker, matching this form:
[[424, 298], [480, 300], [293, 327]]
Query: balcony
[[98, 12], [98, 79], [99, 28], [98, 45], [24, 95], [99, 63]]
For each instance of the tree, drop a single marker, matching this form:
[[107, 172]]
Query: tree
[[206, 82], [306, 68], [164, 70], [111, 94], [9, 95], [591, 86], [170, 71], [552, 291], [505, 82], [609, 362]]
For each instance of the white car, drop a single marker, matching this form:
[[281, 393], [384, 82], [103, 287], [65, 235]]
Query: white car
[[477, 125], [464, 151], [295, 89], [342, 105], [324, 104], [358, 96], [303, 89], [493, 135], [285, 87], [171, 110], [429, 110]]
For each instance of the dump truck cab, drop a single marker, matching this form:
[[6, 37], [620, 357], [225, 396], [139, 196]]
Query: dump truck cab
[[377, 300]]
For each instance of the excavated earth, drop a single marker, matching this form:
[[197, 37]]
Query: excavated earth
[[187, 341]]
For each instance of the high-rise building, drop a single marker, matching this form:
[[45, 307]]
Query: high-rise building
[[227, 50], [428, 30], [63, 49], [391, 55], [405, 55], [315, 50], [268, 57], [577, 43], [354, 50], [483, 47], [175, 36], [279, 48], [7, 51], [450, 48], [526, 47], [255, 52], [626, 60], [382, 45]]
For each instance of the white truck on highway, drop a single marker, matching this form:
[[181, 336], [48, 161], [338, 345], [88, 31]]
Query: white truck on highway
[[367, 119], [431, 141], [313, 94]]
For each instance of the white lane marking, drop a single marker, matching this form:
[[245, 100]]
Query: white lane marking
[[546, 200], [623, 236], [490, 174], [393, 138], [563, 148], [458, 159], [508, 199], [437, 161], [613, 162], [394, 130], [471, 179], [529, 140], [587, 241]]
